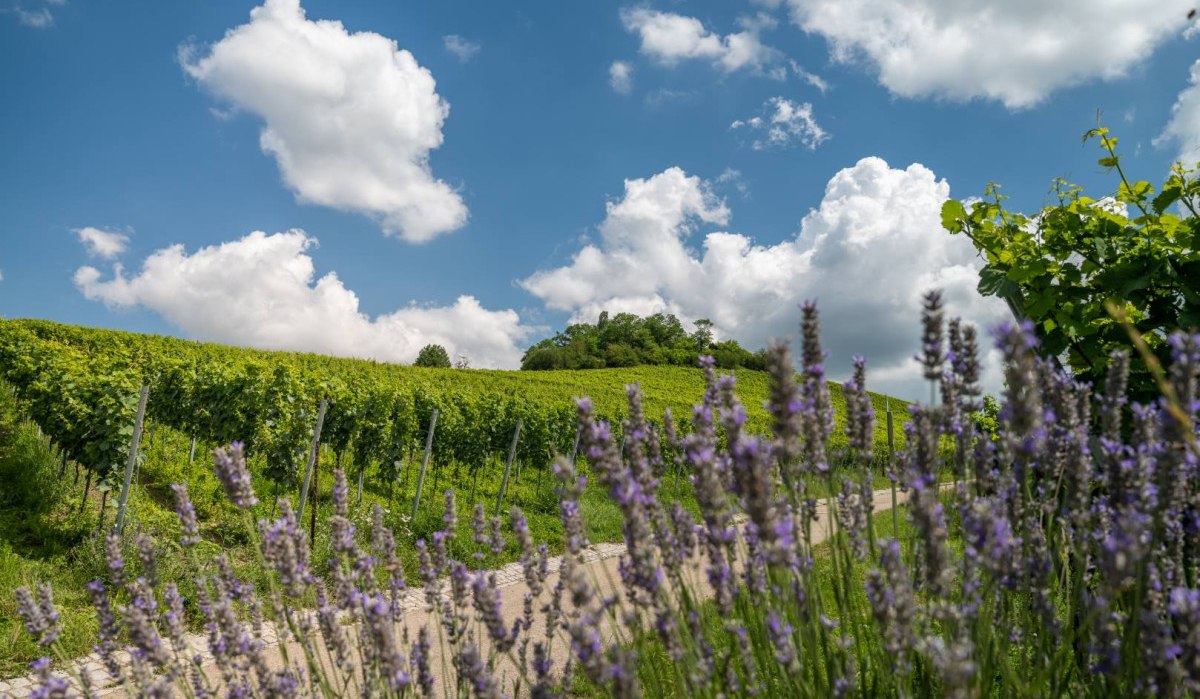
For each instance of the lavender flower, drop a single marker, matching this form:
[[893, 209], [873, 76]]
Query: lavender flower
[[41, 617], [50, 686], [116, 562], [780, 634], [141, 623], [472, 669], [932, 355], [285, 548], [187, 515], [893, 603], [385, 648], [450, 516], [479, 530], [1184, 609], [854, 512], [784, 406], [487, 603], [419, 662], [496, 538], [817, 407], [147, 559], [172, 617], [860, 414], [230, 463]]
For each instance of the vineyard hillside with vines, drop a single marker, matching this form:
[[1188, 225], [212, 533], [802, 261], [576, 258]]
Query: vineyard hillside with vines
[[79, 389], [82, 384]]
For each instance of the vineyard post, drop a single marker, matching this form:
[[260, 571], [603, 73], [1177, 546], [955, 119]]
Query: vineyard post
[[512, 452], [192, 451], [361, 470], [134, 442], [312, 516], [103, 503], [891, 466], [87, 487], [312, 458], [424, 463]]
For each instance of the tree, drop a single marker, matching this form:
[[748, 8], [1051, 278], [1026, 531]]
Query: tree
[[1059, 267], [434, 356], [628, 340], [703, 335]]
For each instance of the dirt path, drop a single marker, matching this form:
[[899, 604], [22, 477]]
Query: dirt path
[[601, 564]]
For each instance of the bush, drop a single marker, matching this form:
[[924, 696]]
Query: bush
[[1060, 267]]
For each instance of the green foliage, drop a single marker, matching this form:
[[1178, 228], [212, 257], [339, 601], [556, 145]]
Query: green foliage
[[433, 356], [626, 340], [1057, 268]]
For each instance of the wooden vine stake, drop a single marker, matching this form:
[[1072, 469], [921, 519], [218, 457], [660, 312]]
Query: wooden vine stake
[[134, 443], [312, 458], [424, 462], [512, 453]]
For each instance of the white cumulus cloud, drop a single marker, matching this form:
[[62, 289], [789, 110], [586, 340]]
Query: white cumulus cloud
[[261, 290], [670, 38], [462, 48], [867, 253], [349, 118], [620, 77], [1015, 52], [1183, 129], [785, 123], [101, 243]]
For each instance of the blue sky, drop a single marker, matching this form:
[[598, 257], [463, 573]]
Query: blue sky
[[503, 168]]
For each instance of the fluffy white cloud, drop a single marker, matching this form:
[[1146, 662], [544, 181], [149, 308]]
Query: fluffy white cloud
[[463, 49], [785, 123], [867, 253], [350, 118], [620, 77], [260, 291], [99, 243], [1183, 129], [670, 38], [1014, 52]]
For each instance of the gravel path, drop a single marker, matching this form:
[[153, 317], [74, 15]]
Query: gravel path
[[601, 562]]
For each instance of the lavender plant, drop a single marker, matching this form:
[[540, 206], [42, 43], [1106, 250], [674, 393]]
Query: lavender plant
[[1062, 561]]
